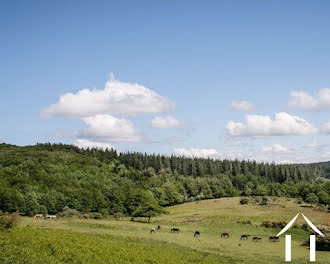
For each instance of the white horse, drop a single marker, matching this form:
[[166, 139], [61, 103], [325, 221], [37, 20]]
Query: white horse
[[152, 230], [51, 217], [38, 216]]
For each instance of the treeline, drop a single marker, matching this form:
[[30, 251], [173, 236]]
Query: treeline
[[46, 178], [201, 167]]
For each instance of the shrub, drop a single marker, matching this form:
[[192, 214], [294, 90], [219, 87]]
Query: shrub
[[264, 200], [247, 222], [96, 215], [270, 224], [312, 198], [118, 215], [267, 224], [68, 212], [244, 200], [322, 243], [104, 212], [8, 221], [191, 199], [256, 200], [305, 227]]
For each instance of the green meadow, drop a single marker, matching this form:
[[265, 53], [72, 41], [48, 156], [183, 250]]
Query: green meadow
[[76, 240]]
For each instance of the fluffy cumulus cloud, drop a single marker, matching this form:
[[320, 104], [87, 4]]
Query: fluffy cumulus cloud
[[326, 127], [259, 125], [195, 152], [85, 143], [164, 122], [305, 101], [245, 106], [116, 98], [276, 148], [106, 128]]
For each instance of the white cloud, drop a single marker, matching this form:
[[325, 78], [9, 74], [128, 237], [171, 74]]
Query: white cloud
[[116, 98], [283, 124], [276, 148], [84, 144], [106, 128], [245, 106], [194, 152], [164, 122], [299, 99], [303, 100], [275, 153], [326, 128]]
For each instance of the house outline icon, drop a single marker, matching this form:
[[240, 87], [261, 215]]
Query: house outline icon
[[312, 243]]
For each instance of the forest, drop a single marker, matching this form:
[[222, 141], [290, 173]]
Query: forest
[[48, 178]]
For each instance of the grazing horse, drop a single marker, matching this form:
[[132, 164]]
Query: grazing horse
[[197, 233], [38, 216], [177, 230], [50, 217], [274, 238], [152, 230], [244, 237], [225, 234], [158, 227], [256, 239]]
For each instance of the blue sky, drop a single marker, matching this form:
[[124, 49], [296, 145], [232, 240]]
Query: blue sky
[[186, 75]]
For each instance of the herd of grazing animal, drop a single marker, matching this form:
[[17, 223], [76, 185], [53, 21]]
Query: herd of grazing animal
[[47, 217], [223, 235], [177, 230]]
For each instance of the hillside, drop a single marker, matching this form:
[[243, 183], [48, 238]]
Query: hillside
[[123, 241], [47, 178]]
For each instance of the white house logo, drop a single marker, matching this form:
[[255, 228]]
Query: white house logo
[[288, 239]]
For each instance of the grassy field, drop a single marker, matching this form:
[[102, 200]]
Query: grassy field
[[72, 240]]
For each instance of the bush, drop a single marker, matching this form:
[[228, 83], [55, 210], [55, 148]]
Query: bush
[[256, 200], [247, 222], [264, 200], [68, 212], [244, 200], [322, 243], [96, 215], [191, 199], [118, 215], [312, 198], [270, 224], [104, 212], [8, 221], [305, 227]]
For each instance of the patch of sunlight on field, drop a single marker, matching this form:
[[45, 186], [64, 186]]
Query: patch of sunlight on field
[[35, 245], [220, 215]]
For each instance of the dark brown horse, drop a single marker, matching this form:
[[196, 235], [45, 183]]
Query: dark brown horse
[[256, 239], [244, 237], [225, 234], [158, 227], [274, 239], [177, 230], [197, 233]]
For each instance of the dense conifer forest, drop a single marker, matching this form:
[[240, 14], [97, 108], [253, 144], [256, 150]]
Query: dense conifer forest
[[46, 178]]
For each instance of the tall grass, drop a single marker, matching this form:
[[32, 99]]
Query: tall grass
[[31, 245]]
